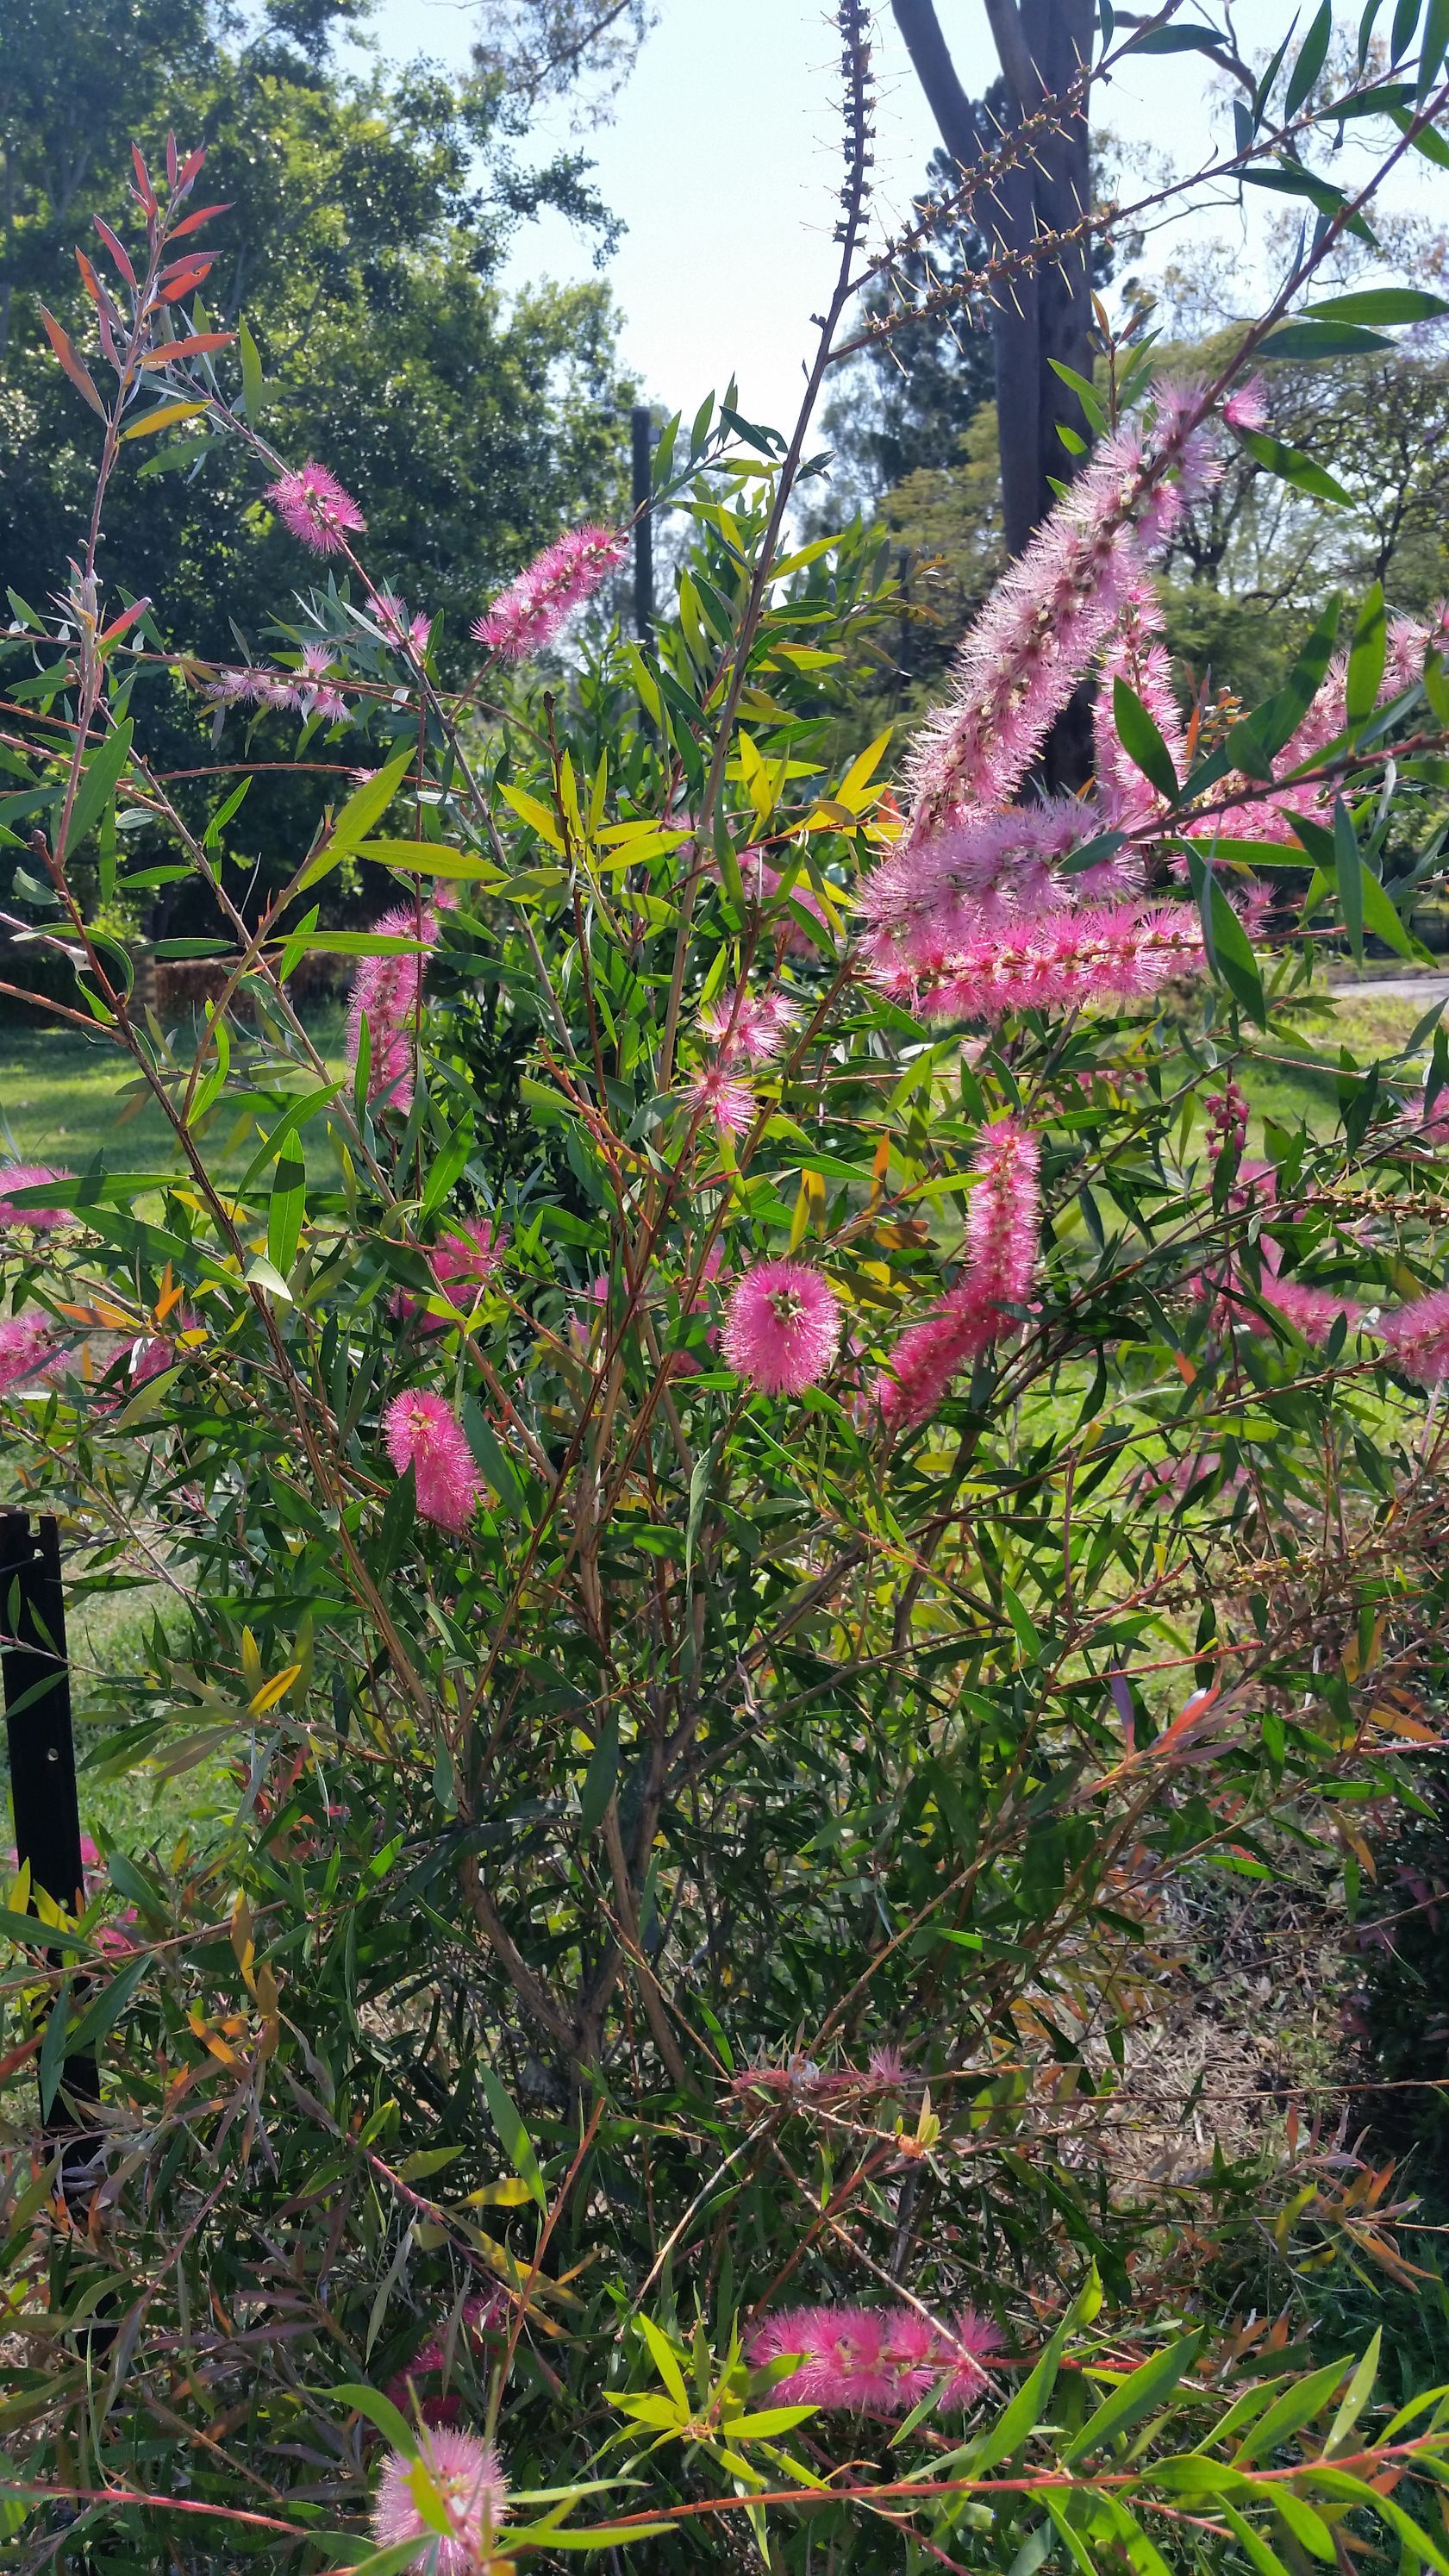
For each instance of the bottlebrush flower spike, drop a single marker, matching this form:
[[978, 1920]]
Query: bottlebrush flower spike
[[981, 874], [1103, 952], [467, 1257], [782, 1326], [462, 2474], [1417, 1337], [315, 507], [723, 1097], [27, 1345], [1266, 817], [748, 1024], [881, 2360], [31, 1176], [387, 991], [1051, 613], [1135, 653], [1247, 407], [1003, 1230], [424, 1433], [527, 615]]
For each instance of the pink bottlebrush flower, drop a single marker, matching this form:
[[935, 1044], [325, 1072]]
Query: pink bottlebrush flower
[[723, 1097], [423, 1432], [235, 688], [1050, 614], [317, 660], [387, 992], [390, 613], [782, 1326], [977, 874], [1002, 1237], [330, 705], [528, 614], [467, 1257], [881, 2359], [31, 1176], [315, 507], [463, 2474], [1247, 408], [886, 2066], [1100, 953], [1136, 654], [1417, 1337], [153, 1354], [27, 1346], [1313, 1312], [1267, 817], [968, 2345], [483, 2317], [752, 1025]]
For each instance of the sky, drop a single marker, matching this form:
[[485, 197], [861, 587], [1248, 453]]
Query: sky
[[723, 156]]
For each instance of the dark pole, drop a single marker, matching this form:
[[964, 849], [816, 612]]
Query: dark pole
[[42, 1747], [642, 420]]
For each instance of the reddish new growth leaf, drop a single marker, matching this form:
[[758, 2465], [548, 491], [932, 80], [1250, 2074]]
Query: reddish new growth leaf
[[203, 215], [171, 162], [144, 189], [60, 343], [117, 250], [189, 169], [191, 276], [191, 347]]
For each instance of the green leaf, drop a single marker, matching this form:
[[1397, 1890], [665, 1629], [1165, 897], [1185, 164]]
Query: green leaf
[[1264, 733], [1349, 868], [1292, 466], [1255, 2547], [106, 2008], [1027, 1637], [1318, 340], [98, 783], [286, 1210], [491, 1455], [1142, 741], [1380, 305], [1229, 951], [665, 2361], [1018, 2419], [53, 2048], [253, 389], [601, 1775], [1428, 140], [1361, 2387], [516, 2142], [391, 2423], [1135, 2397], [1433, 45], [365, 807], [1312, 54], [1297, 2406], [1367, 657], [1177, 40]]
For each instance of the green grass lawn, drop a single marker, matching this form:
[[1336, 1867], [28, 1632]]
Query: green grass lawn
[[61, 1100]]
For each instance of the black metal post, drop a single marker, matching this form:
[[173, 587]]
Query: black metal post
[[42, 1745], [643, 441]]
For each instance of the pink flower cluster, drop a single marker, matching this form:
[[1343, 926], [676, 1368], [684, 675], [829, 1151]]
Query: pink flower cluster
[[423, 1432], [876, 2360], [462, 1262], [1416, 1338], [1002, 1237], [746, 1029], [27, 1347], [313, 504], [387, 992], [1266, 815], [307, 690], [458, 2473], [1053, 612], [529, 613], [31, 1176], [782, 1326], [484, 2315], [410, 635]]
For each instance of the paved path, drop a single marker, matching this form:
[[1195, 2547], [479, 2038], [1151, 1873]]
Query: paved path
[[1397, 988]]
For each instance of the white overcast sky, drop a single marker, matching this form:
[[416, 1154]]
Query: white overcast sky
[[723, 157]]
